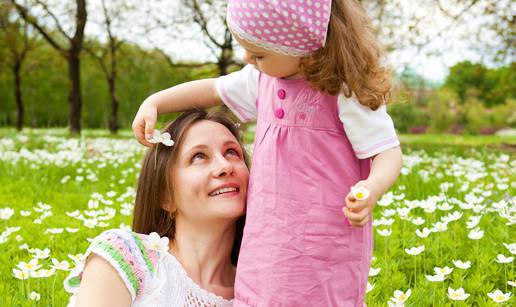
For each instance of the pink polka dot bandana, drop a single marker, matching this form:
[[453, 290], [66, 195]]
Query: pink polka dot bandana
[[291, 27]]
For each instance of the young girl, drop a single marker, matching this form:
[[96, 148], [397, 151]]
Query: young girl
[[317, 90]]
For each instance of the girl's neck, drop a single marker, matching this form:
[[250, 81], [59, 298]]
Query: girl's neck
[[205, 253], [296, 76]]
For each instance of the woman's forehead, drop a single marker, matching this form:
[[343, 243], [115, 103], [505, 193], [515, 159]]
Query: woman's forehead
[[207, 133]]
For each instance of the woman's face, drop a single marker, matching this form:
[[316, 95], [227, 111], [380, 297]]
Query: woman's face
[[210, 175]]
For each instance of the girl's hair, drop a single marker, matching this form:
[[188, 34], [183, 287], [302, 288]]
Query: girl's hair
[[350, 60], [155, 183]]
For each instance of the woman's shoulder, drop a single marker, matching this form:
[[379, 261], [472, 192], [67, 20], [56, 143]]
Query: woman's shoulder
[[127, 252]]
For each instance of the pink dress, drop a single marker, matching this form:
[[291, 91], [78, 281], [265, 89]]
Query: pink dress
[[298, 248]]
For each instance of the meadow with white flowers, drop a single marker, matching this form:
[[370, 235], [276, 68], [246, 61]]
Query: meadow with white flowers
[[444, 234]]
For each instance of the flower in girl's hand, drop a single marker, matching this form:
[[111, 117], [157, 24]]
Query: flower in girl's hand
[[360, 193], [154, 242], [164, 138]]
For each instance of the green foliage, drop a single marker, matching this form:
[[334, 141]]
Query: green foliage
[[493, 86], [441, 110], [475, 116], [406, 114], [45, 89], [504, 115]]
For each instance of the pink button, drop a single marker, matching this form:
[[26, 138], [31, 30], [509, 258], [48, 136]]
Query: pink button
[[282, 94], [279, 113]]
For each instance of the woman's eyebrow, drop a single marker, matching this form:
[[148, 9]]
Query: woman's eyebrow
[[194, 148], [231, 142]]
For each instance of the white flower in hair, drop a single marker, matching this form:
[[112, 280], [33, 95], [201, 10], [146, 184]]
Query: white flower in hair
[[163, 138], [360, 193], [154, 242]]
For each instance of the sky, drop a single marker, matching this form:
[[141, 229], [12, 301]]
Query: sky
[[432, 61]]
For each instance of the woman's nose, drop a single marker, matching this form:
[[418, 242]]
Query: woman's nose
[[223, 167]]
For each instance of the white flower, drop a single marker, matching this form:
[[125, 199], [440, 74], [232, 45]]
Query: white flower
[[473, 221], [164, 138], [374, 272], [443, 271], [462, 265], [154, 242], [21, 274], [511, 247], [63, 265], [384, 232], [424, 233], [502, 259], [77, 258], [415, 250], [35, 296], [445, 207], [43, 273], [498, 296], [29, 266], [457, 295], [25, 213], [511, 283], [400, 297], [124, 227], [436, 278], [360, 193], [6, 213], [418, 221], [40, 254], [440, 226], [369, 287], [476, 234]]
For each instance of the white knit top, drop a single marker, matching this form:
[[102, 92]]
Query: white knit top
[[153, 278]]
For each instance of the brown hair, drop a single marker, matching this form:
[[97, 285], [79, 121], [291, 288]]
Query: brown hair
[[155, 181], [350, 60]]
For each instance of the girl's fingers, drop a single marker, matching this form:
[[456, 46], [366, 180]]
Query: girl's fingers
[[149, 127], [358, 216]]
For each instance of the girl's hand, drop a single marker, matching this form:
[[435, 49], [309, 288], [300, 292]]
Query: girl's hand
[[357, 211], [144, 122]]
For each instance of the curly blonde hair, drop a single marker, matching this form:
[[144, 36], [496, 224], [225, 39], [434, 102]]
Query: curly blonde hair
[[349, 63]]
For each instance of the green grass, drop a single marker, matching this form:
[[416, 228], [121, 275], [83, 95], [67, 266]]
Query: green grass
[[33, 169]]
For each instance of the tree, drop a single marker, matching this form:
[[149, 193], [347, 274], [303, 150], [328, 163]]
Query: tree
[[68, 46], [492, 86], [107, 57], [194, 20], [14, 32]]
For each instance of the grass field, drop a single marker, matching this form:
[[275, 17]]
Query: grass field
[[455, 200]]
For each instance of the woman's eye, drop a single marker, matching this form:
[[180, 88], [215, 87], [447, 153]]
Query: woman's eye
[[198, 156], [233, 152], [258, 57]]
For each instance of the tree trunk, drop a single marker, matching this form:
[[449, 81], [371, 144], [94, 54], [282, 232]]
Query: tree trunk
[[74, 97], [18, 95], [113, 121]]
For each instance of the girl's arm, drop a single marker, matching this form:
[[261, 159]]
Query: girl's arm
[[195, 94], [385, 169], [101, 286]]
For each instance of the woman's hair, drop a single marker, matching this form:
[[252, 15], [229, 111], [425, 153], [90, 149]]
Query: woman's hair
[[350, 61], [155, 183]]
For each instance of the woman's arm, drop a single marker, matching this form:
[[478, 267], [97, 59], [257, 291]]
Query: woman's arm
[[385, 169], [101, 286], [194, 94]]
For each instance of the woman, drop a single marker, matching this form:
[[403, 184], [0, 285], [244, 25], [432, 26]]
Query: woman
[[193, 193]]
